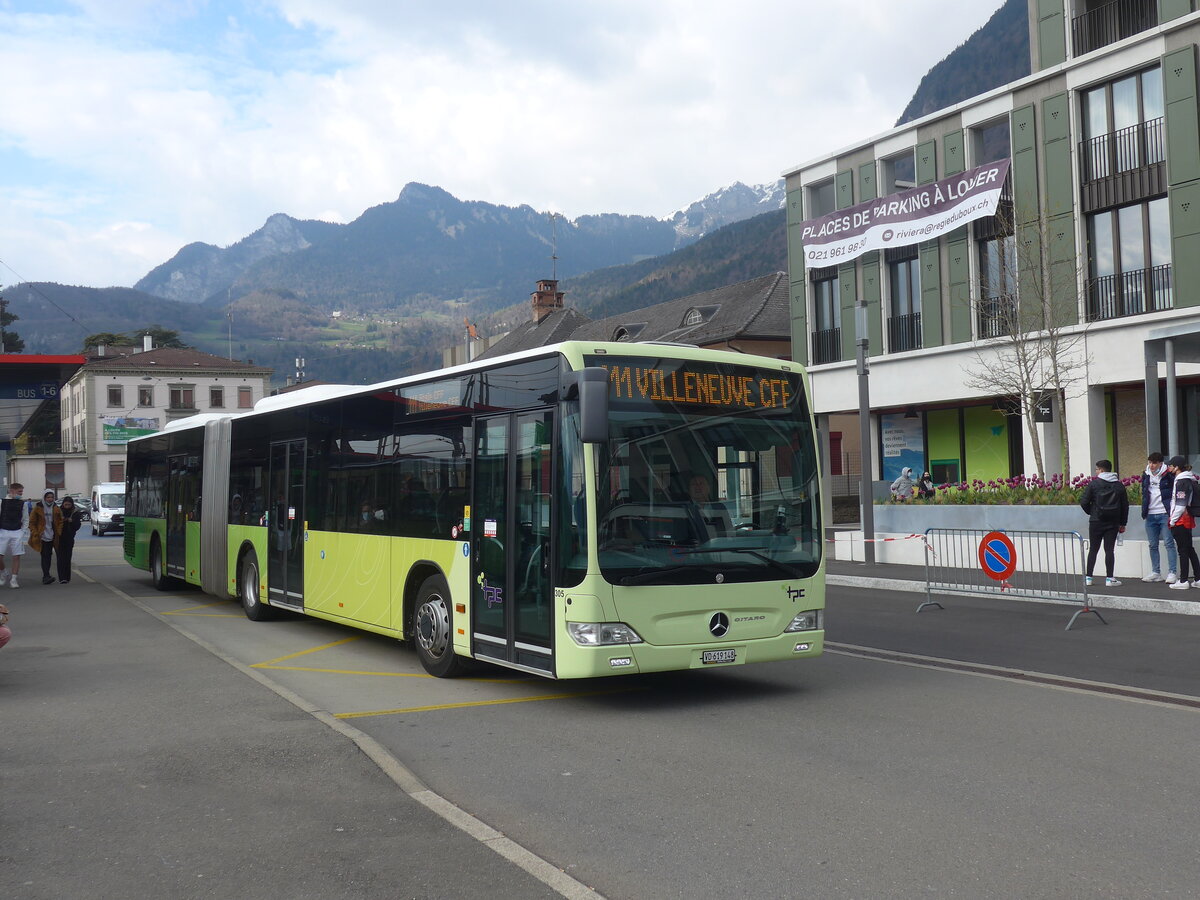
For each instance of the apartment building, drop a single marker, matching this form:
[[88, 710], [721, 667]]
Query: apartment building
[[1092, 257]]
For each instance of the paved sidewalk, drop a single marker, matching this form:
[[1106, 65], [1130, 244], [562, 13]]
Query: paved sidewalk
[[1132, 594], [135, 763]]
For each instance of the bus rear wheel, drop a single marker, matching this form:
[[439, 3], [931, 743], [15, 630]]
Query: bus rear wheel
[[252, 605], [433, 629], [158, 575]]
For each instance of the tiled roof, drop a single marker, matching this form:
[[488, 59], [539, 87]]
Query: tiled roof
[[169, 358], [557, 326]]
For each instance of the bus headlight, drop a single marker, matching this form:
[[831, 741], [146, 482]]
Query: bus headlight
[[602, 634], [809, 620]]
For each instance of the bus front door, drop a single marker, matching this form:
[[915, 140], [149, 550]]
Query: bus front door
[[286, 525], [179, 504], [511, 608]]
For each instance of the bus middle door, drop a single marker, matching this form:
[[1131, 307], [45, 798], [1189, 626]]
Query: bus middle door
[[286, 524], [179, 503], [510, 541]]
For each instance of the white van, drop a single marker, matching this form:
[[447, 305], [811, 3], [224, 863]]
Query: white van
[[108, 507]]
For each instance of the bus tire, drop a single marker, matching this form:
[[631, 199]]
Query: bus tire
[[433, 628], [158, 574], [252, 605]]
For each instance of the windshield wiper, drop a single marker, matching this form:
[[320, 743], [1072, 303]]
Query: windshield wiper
[[646, 577], [773, 563]]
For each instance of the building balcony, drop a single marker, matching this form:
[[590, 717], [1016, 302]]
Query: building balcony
[[904, 333], [1129, 293], [827, 346], [997, 315], [1111, 22], [1124, 166]]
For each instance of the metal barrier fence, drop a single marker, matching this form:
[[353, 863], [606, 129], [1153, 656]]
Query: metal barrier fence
[[1038, 565]]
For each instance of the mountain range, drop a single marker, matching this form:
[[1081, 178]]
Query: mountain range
[[403, 275]]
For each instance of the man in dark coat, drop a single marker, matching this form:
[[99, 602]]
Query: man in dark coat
[[1106, 502]]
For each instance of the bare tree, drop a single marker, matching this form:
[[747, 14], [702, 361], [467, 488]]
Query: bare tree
[[1027, 310]]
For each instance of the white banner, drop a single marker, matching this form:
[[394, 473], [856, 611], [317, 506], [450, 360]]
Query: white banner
[[898, 220]]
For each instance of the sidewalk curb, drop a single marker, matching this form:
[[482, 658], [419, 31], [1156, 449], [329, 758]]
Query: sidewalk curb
[[1099, 601]]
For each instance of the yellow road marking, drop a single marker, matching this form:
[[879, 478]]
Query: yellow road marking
[[187, 609], [306, 652], [386, 674], [203, 615], [413, 709]]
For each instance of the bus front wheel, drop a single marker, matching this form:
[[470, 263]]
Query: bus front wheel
[[433, 628], [252, 605]]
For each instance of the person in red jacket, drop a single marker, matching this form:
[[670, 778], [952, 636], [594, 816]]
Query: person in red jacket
[[1185, 499]]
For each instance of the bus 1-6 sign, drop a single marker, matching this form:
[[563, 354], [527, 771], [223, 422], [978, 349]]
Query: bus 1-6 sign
[[997, 555]]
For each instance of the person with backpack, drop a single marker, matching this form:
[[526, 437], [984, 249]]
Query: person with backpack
[[1185, 507], [1107, 504]]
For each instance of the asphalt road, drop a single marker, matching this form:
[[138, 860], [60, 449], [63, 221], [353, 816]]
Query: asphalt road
[[1016, 775]]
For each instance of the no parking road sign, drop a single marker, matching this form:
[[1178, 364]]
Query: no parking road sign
[[997, 555]]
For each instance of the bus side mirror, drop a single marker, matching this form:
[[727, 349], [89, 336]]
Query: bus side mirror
[[590, 385]]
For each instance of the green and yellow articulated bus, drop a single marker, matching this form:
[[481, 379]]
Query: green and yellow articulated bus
[[580, 510]]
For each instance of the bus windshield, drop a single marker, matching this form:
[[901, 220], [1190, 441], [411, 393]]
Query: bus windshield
[[709, 475]]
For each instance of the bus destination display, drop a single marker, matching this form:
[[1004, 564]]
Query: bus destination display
[[696, 384]]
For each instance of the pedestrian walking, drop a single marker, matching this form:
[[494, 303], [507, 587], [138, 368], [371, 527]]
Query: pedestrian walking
[[14, 529], [72, 518], [45, 522], [1107, 504], [1157, 483], [1185, 506]]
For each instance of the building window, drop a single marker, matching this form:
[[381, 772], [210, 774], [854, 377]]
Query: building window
[[116, 471], [245, 399], [997, 286], [56, 475], [904, 319], [182, 398], [900, 172], [822, 199], [1123, 126], [216, 398], [1129, 261], [115, 396], [991, 142], [145, 396], [827, 317]]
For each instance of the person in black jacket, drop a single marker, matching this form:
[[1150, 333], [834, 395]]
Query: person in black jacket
[[1185, 506], [1157, 485], [64, 541], [1107, 504]]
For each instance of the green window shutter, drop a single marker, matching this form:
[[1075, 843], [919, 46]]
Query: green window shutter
[[926, 162], [1052, 36], [1183, 135], [1184, 201], [867, 186], [1063, 287], [1029, 265], [1060, 185], [872, 296], [799, 323], [955, 155], [843, 185], [1024, 164], [958, 258], [1173, 9], [848, 288], [931, 295]]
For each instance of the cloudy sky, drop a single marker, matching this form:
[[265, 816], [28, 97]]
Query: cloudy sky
[[129, 128]]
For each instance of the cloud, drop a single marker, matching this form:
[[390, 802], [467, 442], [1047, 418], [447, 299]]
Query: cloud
[[134, 127]]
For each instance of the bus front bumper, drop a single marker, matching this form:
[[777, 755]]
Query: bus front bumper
[[625, 659]]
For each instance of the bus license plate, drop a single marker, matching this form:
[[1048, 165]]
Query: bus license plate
[[718, 656]]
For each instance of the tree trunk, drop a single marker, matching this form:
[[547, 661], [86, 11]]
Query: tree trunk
[[1031, 427]]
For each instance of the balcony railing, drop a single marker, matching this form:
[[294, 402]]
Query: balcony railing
[[1129, 293], [997, 315], [1110, 23], [827, 346], [904, 333], [1143, 144]]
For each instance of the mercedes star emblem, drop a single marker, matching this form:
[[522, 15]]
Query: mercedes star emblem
[[718, 624]]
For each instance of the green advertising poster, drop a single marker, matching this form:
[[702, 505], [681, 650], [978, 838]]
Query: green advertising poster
[[120, 429]]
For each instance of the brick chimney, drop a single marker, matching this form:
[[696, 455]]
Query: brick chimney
[[546, 299]]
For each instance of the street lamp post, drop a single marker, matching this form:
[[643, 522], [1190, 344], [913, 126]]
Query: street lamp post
[[865, 494]]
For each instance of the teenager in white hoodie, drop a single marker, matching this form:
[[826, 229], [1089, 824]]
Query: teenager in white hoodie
[[1184, 494]]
